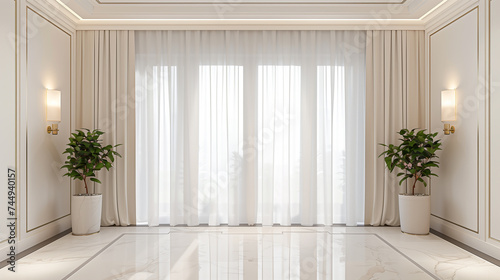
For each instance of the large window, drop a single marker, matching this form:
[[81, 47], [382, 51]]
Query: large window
[[220, 138], [279, 88], [249, 127], [331, 143]]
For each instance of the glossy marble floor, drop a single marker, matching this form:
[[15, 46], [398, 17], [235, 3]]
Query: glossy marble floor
[[252, 253]]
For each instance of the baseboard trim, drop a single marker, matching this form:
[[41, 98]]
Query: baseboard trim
[[467, 248], [36, 247]]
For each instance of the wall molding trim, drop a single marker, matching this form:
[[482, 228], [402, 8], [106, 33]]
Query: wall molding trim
[[457, 18], [26, 237], [28, 9], [490, 238], [483, 239]]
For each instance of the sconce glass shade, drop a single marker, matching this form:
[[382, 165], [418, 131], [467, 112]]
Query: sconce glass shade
[[448, 106], [53, 105]]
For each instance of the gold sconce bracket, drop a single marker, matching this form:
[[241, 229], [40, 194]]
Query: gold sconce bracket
[[54, 129], [447, 129]]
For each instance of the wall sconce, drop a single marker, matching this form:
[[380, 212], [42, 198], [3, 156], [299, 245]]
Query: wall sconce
[[448, 110], [53, 110]]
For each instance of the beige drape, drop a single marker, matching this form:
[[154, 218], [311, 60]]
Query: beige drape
[[395, 99], [105, 100]]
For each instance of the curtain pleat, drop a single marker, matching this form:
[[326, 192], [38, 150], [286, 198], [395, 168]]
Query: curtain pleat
[[394, 100], [246, 127], [106, 101]]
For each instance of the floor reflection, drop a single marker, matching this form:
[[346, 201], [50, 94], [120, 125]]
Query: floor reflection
[[280, 255]]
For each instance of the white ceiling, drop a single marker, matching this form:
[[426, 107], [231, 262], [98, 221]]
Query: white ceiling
[[250, 9], [123, 12], [248, 1]]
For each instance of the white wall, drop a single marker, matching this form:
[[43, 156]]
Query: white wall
[[458, 57], [494, 186], [453, 64], [49, 67], [45, 60], [7, 104]]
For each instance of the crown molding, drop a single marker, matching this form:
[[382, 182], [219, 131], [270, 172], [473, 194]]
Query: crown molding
[[407, 14], [54, 11], [447, 12], [252, 25]]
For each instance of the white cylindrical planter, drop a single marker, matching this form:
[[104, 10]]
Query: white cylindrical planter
[[86, 214], [415, 213]]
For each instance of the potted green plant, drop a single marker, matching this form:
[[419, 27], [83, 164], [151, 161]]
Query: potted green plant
[[86, 156], [414, 157]]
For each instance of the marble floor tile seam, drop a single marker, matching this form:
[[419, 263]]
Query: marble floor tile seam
[[98, 253], [285, 232], [407, 257]]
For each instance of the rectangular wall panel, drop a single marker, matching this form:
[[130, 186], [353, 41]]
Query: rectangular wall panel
[[453, 64], [494, 205], [48, 67]]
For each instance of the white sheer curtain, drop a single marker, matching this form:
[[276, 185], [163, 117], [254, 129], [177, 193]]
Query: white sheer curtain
[[250, 127]]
